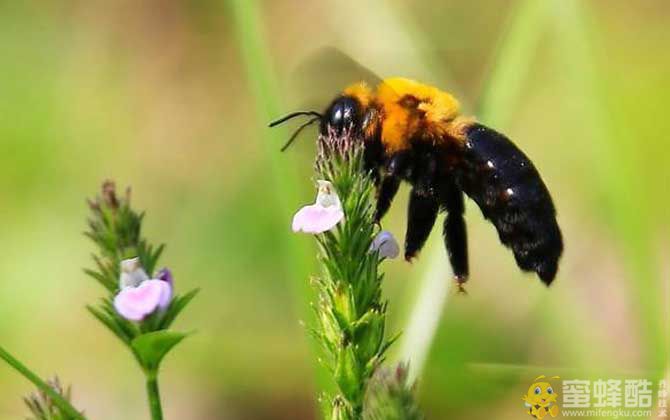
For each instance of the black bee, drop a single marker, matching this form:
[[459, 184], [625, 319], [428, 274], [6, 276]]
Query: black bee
[[414, 132]]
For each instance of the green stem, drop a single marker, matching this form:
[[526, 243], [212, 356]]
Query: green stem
[[154, 397], [57, 399]]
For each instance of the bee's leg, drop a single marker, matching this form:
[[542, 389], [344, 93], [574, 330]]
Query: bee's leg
[[424, 174], [398, 164], [388, 187], [421, 215], [396, 167], [455, 234], [372, 160]]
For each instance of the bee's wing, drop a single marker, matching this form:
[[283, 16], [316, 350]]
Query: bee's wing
[[324, 73], [510, 193], [319, 77]]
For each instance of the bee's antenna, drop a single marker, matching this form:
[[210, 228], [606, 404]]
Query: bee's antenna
[[293, 115], [295, 134]]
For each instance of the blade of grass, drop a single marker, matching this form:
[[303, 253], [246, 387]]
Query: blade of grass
[[264, 89], [502, 92], [58, 400], [412, 55], [512, 63], [424, 319]]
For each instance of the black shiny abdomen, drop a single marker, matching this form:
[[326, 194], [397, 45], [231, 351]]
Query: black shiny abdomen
[[509, 190]]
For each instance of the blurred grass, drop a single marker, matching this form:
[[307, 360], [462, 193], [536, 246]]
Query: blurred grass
[[617, 161], [511, 66], [282, 176]]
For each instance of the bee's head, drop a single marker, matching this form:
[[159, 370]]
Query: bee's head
[[344, 113], [351, 110]]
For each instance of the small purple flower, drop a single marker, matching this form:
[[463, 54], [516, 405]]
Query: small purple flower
[[139, 295], [385, 244], [166, 275], [321, 216]]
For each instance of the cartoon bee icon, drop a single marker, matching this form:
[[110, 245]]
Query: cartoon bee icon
[[540, 399]]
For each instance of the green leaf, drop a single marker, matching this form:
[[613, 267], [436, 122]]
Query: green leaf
[[176, 306], [150, 348], [109, 323], [101, 279]]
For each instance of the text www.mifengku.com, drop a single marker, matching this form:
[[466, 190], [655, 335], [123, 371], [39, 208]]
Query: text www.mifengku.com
[[614, 413]]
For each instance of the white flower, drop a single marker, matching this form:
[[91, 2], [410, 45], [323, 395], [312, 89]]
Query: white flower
[[321, 216], [132, 273]]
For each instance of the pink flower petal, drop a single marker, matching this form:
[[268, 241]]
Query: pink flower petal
[[317, 219], [166, 294], [135, 303]]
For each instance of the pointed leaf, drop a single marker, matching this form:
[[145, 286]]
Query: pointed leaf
[[175, 308], [150, 348]]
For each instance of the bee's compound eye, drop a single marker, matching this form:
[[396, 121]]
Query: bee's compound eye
[[343, 113], [550, 390], [348, 113], [538, 391], [337, 115]]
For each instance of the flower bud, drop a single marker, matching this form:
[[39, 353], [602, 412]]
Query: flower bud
[[369, 335], [132, 273], [385, 244], [329, 326], [342, 302], [166, 275], [341, 410], [348, 373], [326, 196]]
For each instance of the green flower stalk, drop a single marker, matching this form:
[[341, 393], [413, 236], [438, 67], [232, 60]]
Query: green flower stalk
[[139, 307], [350, 312]]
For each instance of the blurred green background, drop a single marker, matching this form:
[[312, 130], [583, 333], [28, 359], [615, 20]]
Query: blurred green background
[[172, 97]]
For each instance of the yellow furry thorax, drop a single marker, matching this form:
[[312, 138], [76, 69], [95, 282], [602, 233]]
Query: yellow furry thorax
[[398, 100], [437, 104]]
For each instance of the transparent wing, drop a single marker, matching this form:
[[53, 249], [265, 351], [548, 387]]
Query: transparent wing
[[324, 73]]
